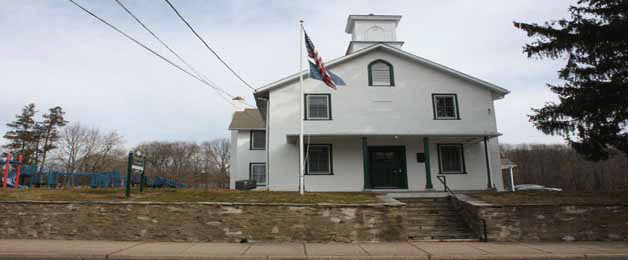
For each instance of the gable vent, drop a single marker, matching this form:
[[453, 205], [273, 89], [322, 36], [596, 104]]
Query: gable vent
[[381, 74]]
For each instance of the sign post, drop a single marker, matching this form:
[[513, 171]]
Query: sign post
[[128, 175], [142, 178], [138, 167], [135, 165]]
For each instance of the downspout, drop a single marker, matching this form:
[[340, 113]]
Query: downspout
[[367, 178], [268, 142], [488, 165], [512, 180], [267, 148]]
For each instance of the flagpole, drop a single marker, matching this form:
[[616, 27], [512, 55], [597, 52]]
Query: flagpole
[[301, 112]]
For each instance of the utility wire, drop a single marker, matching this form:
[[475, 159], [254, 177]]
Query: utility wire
[[200, 75], [210, 49], [157, 54]]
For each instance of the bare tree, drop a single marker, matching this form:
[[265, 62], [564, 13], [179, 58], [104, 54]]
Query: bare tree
[[102, 152], [84, 149], [561, 166], [72, 146], [221, 156], [208, 166], [207, 163]]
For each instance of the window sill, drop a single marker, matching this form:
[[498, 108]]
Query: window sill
[[451, 173], [257, 149], [318, 119]]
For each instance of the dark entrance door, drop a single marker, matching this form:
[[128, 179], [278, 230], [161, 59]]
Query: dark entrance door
[[387, 167]]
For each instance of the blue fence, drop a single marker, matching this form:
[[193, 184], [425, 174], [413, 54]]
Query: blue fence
[[30, 177]]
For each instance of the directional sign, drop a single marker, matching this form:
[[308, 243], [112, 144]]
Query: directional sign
[[139, 163], [135, 165], [137, 168]]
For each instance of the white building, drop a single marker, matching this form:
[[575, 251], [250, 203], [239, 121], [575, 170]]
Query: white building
[[400, 122]]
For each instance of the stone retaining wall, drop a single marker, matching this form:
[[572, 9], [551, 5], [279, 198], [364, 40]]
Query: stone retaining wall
[[237, 222], [547, 222], [229, 222]]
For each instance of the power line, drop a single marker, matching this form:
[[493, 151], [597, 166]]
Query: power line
[[157, 54], [210, 49], [199, 74]]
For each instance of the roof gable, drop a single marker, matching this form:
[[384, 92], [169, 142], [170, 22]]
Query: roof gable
[[499, 91], [247, 119]]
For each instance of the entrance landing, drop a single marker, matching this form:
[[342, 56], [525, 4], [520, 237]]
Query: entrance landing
[[418, 194]]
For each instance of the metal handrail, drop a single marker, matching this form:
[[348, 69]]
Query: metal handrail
[[443, 180], [483, 232]]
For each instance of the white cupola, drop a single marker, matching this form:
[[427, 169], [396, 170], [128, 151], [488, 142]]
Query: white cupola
[[367, 30]]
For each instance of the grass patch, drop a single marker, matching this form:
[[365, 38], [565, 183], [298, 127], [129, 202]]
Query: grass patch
[[509, 198], [188, 195]]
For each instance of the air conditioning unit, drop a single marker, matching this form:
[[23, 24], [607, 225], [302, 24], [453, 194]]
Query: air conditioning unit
[[245, 185]]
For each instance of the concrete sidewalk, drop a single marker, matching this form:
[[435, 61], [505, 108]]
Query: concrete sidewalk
[[60, 249]]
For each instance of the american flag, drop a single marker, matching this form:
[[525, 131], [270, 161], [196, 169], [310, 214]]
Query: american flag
[[317, 67]]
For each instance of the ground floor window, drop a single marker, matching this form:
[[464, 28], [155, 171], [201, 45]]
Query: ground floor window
[[318, 159], [257, 172], [451, 159]]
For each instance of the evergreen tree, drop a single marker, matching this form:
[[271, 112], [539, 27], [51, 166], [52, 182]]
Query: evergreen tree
[[49, 130], [22, 134], [592, 113]]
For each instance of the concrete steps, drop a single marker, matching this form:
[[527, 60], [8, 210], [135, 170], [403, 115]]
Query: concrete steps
[[435, 219]]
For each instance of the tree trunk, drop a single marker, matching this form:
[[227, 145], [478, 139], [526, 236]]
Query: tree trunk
[[43, 160]]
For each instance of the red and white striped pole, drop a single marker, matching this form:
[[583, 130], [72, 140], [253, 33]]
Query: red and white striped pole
[[6, 171], [19, 171]]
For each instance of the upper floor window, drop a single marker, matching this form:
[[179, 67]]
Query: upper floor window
[[317, 106], [445, 106], [258, 140], [381, 73]]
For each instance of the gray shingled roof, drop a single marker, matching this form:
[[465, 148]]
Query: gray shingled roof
[[507, 163], [247, 119]]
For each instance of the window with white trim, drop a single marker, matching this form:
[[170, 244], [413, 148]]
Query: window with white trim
[[451, 158], [257, 172], [445, 106], [381, 73], [258, 139], [317, 106], [318, 160]]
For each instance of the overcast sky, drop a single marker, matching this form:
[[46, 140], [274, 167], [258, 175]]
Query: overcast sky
[[54, 54]]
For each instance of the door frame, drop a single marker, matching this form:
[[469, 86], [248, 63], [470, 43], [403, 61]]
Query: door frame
[[404, 162]]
